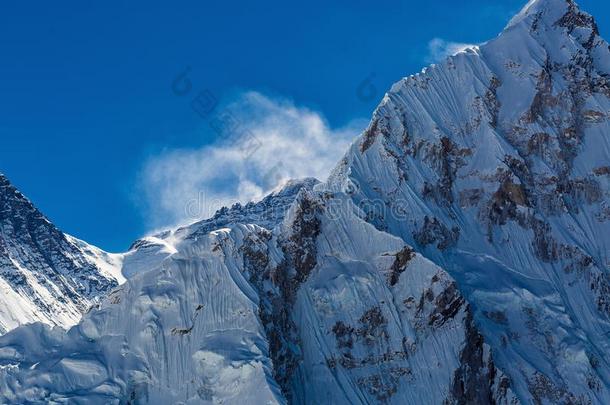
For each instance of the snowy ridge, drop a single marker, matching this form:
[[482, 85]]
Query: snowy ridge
[[45, 275], [494, 164], [147, 253]]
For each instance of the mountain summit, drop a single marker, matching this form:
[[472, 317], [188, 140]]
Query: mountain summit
[[458, 254], [497, 160], [553, 11], [45, 275]]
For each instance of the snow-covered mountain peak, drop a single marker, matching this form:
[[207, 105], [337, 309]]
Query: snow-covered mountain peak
[[46, 275], [552, 22], [552, 13], [459, 253], [494, 164], [14, 201]]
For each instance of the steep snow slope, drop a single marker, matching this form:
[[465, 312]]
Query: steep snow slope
[[374, 322], [495, 165], [323, 309], [46, 275]]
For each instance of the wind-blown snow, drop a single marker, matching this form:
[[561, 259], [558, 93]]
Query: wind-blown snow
[[263, 143]]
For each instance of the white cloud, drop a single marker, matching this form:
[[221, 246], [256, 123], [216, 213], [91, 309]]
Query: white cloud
[[439, 49], [275, 141]]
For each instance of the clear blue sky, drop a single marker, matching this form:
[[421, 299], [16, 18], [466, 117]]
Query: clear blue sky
[[85, 87]]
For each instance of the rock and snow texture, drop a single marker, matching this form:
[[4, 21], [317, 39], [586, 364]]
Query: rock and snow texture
[[319, 309], [45, 275], [458, 254], [495, 164]]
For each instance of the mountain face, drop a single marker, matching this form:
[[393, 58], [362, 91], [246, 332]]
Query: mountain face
[[322, 308], [45, 275], [495, 165], [458, 254]]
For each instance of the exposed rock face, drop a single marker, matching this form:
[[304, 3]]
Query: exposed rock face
[[503, 176], [46, 275], [476, 382]]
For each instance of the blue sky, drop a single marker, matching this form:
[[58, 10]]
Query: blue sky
[[87, 110]]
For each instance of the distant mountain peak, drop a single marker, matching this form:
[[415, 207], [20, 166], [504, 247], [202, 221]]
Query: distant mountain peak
[[46, 275], [11, 200]]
